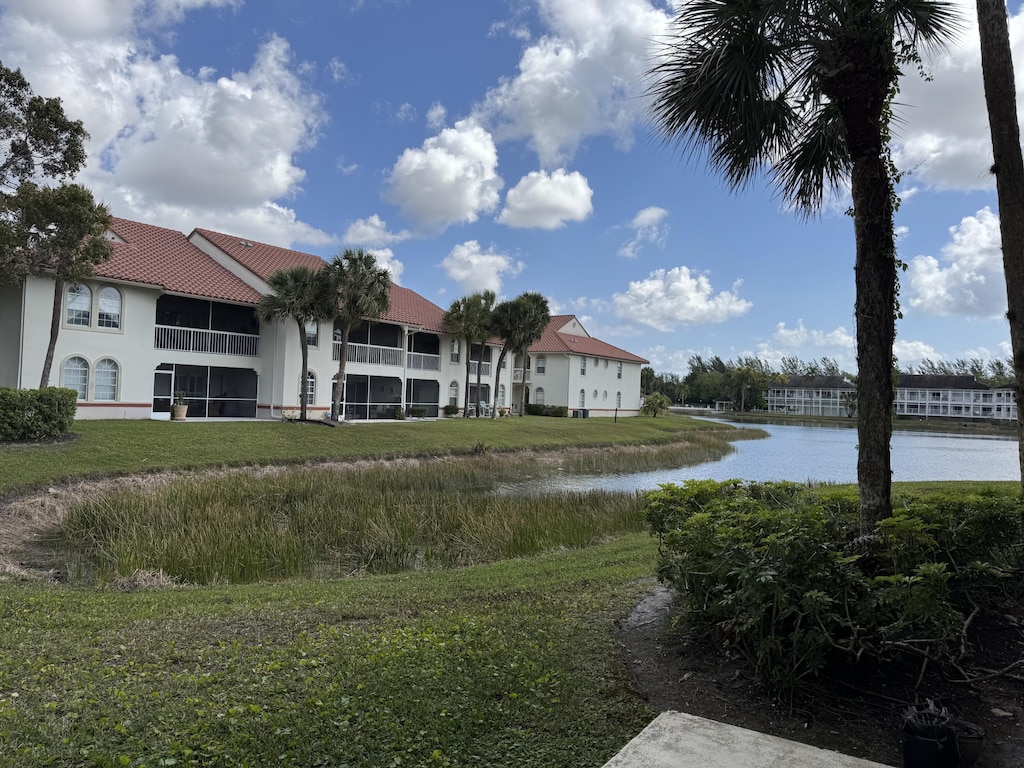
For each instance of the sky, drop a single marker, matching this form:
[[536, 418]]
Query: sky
[[508, 145]]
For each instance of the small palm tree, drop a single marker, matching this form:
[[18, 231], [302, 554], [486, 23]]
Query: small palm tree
[[519, 322], [363, 292], [469, 319], [300, 294], [802, 91]]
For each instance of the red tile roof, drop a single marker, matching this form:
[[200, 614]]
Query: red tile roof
[[407, 306], [554, 341], [165, 258]]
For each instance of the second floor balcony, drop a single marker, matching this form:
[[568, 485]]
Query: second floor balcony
[[370, 355], [202, 340]]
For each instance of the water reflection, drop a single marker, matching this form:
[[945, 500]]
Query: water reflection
[[822, 454]]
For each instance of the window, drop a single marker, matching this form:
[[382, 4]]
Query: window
[[583, 398], [583, 366], [312, 333], [604, 395], [109, 315], [595, 394], [453, 393], [105, 387], [79, 307], [501, 395], [310, 388], [455, 351], [542, 363], [618, 399], [618, 374], [605, 363], [538, 396], [76, 376]]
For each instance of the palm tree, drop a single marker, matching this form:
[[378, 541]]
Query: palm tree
[[304, 296], [803, 91], [1008, 168], [363, 292], [519, 322], [469, 319]]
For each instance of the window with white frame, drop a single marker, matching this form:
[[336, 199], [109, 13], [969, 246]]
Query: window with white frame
[[583, 366], [109, 314], [453, 393], [105, 385], [76, 376], [455, 351], [312, 333], [542, 364], [538, 396], [501, 395], [310, 388], [79, 305], [618, 374], [583, 398]]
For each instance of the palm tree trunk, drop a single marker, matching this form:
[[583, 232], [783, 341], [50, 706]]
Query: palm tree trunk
[[1008, 167], [58, 296], [338, 397], [497, 381], [479, 373], [465, 400], [304, 381]]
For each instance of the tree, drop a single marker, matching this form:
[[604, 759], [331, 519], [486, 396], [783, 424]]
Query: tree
[[803, 92], [1008, 168], [55, 232], [304, 296], [654, 404], [36, 137], [469, 319], [363, 292], [519, 322]]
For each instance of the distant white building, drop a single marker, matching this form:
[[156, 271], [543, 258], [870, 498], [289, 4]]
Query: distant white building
[[812, 396], [169, 313]]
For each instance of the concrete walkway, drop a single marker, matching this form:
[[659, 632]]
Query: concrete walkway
[[676, 740]]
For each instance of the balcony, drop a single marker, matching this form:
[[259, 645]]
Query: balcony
[[518, 377], [202, 340], [417, 361], [485, 369], [370, 355]]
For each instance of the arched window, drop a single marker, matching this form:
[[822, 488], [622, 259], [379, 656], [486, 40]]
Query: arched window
[[107, 374], [76, 376], [604, 395], [453, 393], [79, 305], [618, 399], [538, 396], [501, 395], [583, 398], [310, 388], [109, 315]]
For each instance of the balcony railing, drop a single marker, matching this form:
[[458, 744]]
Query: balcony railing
[[417, 361], [202, 340], [485, 369], [517, 376], [364, 353]]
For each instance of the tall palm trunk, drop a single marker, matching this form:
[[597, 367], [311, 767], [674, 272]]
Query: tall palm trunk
[[338, 395], [1008, 167], [469, 358], [58, 296], [304, 381]]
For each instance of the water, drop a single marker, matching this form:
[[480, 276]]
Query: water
[[823, 454]]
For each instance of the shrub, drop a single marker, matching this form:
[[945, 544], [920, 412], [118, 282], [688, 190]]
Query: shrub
[[36, 414], [417, 411], [779, 573], [654, 404], [451, 410], [559, 411]]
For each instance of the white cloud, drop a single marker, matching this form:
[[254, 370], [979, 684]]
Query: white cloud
[[451, 179], [667, 299], [477, 270], [338, 69], [913, 352], [372, 232], [437, 116], [971, 282], [647, 227], [385, 258], [547, 201], [583, 78], [809, 344], [96, 18]]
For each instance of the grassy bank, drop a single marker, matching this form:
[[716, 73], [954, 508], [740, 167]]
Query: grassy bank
[[132, 447], [513, 663], [899, 423]]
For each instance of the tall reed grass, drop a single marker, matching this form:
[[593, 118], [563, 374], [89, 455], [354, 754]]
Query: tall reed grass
[[322, 522]]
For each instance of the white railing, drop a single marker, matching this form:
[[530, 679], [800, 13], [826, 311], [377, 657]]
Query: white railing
[[364, 353], [517, 376], [485, 370], [202, 340], [417, 361]]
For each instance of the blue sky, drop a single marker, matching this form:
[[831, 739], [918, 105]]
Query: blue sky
[[506, 144]]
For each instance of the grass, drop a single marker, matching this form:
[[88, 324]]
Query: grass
[[512, 663], [138, 446]]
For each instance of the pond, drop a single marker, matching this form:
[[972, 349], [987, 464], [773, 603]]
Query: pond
[[821, 454]]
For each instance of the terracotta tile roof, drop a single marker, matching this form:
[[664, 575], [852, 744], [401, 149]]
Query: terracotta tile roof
[[407, 306], [555, 341], [164, 257]]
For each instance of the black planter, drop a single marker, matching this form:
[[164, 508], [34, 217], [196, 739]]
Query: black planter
[[969, 740], [928, 740]]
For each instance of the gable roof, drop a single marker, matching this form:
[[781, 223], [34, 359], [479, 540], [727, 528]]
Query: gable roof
[[939, 381], [165, 258], [817, 382], [407, 307], [555, 342]]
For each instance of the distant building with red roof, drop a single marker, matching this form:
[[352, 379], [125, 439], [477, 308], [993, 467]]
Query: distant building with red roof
[[170, 313]]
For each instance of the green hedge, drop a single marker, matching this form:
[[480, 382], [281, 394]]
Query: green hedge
[[36, 414], [780, 573], [559, 411]]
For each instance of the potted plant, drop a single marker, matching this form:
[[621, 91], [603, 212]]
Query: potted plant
[[179, 408]]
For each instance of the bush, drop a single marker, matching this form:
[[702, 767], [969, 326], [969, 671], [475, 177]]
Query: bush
[[559, 411], [36, 414], [778, 572], [451, 410], [416, 411]]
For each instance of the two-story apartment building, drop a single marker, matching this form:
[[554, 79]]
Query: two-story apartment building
[[811, 396], [169, 313]]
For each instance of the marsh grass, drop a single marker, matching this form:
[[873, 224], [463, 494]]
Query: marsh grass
[[241, 528]]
